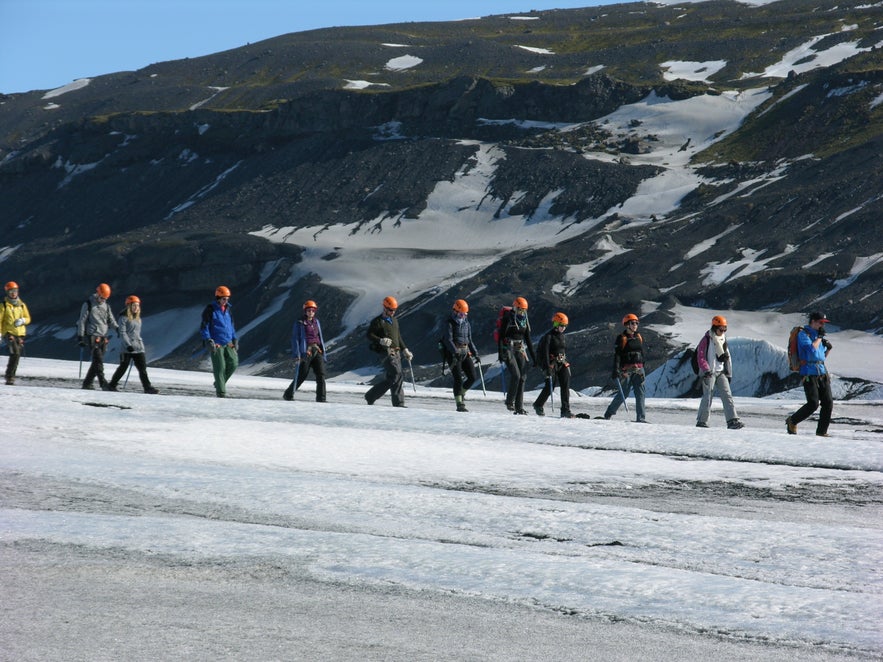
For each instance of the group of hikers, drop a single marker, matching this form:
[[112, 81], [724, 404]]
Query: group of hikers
[[515, 351]]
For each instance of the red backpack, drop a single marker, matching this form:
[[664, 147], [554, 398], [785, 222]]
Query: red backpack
[[794, 361], [498, 328]]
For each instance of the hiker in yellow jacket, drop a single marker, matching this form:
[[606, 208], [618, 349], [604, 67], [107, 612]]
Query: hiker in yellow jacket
[[13, 327]]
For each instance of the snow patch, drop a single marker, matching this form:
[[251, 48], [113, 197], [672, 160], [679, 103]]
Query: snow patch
[[403, 62], [78, 84], [532, 49], [694, 71]]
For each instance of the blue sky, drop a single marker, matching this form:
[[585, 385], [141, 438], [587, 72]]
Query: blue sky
[[48, 43]]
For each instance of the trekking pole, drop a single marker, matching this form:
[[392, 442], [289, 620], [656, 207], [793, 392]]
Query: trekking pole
[[503, 377], [81, 362], [551, 393], [413, 381], [622, 395], [293, 386], [481, 376], [128, 372]]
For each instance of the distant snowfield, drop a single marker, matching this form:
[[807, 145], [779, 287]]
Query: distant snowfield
[[457, 236]]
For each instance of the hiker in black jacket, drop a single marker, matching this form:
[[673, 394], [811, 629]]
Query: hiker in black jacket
[[552, 352], [628, 368], [386, 339], [460, 351], [514, 347]]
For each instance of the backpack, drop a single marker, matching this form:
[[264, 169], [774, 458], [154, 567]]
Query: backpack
[[694, 357], [794, 361], [498, 328]]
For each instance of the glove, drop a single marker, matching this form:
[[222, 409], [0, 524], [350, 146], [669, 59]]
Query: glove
[[407, 354], [385, 342], [208, 343], [827, 344], [130, 349], [81, 341], [822, 332], [20, 321]]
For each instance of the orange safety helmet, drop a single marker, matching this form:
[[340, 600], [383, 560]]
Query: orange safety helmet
[[559, 319], [631, 317], [460, 306], [11, 285], [718, 320], [520, 302], [391, 303], [222, 291], [309, 303], [132, 299], [103, 290]]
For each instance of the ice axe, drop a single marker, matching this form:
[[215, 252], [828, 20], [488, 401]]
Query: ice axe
[[481, 376], [622, 394], [413, 381]]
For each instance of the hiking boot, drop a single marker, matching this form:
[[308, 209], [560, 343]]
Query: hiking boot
[[10, 381], [88, 387], [700, 424], [539, 410], [566, 414], [288, 395], [790, 426], [822, 434], [150, 390], [461, 406], [109, 387], [222, 395], [368, 400], [520, 412], [735, 424], [510, 406], [402, 405], [641, 420], [606, 416]]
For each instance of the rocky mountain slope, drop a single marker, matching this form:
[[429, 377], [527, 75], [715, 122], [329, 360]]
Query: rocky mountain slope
[[631, 157]]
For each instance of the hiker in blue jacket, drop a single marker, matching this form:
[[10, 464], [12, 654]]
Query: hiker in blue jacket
[[813, 349], [308, 351], [460, 351], [219, 336]]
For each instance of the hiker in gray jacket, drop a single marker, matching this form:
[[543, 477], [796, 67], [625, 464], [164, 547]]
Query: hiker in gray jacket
[[132, 346], [93, 328]]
